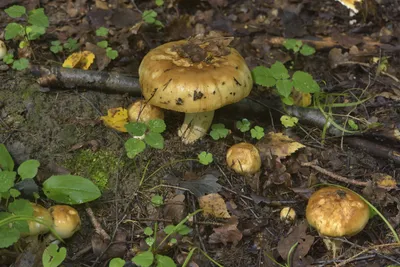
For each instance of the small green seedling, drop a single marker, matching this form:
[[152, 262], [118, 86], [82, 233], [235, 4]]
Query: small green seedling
[[218, 131], [289, 121], [144, 133], [205, 158], [103, 32], [159, 2], [150, 17], [53, 256], [56, 47], [257, 132], [70, 45], [297, 46], [157, 200], [243, 125]]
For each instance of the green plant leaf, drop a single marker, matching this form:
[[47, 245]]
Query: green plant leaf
[[263, 76], [149, 241], [37, 17], [117, 262], [164, 261], [157, 126], [134, 147], [257, 132], [169, 229], [102, 31], [288, 121], [112, 54], [14, 193], [8, 236], [12, 30], [149, 16], [70, 189], [53, 256], [136, 128], [287, 100], [243, 125], [159, 2], [20, 64], [292, 44], [144, 259], [305, 83], [71, 45], [34, 32], [353, 125], [28, 169], [56, 47], [7, 179], [148, 231], [184, 230], [15, 11], [307, 50], [21, 207], [157, 200], [279, 71], [6, 161], [284, 87], [173, 241], [205, 158], [8, 59], [102, 44], [218, 131], [154, 140]]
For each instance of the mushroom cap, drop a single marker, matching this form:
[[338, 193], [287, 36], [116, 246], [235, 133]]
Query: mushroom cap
[[40, 213], [144, 112], [3, 49], [66, 220], [171, 81], [243, 158], [287, 214], [337, 212]]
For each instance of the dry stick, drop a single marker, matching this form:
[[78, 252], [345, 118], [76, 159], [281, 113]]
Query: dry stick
[[171, 221], [333, 175], [99, 230]]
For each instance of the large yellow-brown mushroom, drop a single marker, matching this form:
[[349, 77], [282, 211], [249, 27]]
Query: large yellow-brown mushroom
[[42, 223], [243, 158], [66, 220], [143, 112]]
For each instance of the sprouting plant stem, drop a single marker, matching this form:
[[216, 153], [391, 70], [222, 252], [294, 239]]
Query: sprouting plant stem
[[292, 248], [144, 173], [189, 256]]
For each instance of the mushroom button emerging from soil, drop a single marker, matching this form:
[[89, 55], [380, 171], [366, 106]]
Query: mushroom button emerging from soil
[[144, 112], [66, 220], [337, 212], [43, 215], [3, 49], [195, 76], [243, 158]]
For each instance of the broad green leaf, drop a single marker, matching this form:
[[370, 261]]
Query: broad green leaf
[[7, 179], [169, 229], [6, 161], [149, 16], [157, 200], [15, 11], [157, 126], [159, 2], [37, 17], [154, 140], [102, 31], [279, 71], [307, 50], [20, 64], [148, 231], [149, 241], [257, 132], [71, 45], [102, 44], [53, 256], [184, 230], [218, 131], [21, 207], [287, 100], [8, 236], [111, 53], [34, 32], [136, 128], [8, 59], [304, 82], [288, 121], [144, 259], [133, 147], [28, 169], [292, 44], [164, 261], [205, 158], [117, 262], [243, 125], [14, 193], [70, 189], [12, 30], [284, 87], [263, 76]]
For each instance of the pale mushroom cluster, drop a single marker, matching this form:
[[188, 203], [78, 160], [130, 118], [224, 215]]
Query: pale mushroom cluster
[[63, 219]]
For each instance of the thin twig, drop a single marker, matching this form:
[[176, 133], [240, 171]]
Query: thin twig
[[97, 226]]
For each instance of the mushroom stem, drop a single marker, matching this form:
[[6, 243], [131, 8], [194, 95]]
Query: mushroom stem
[[195, 126]]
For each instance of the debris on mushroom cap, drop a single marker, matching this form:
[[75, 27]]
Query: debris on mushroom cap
[[288, 214], [144, 112], [3, 49], [350, 4], [66, 220], [337, 212], [175, 77], [42, 214], [243, 158]]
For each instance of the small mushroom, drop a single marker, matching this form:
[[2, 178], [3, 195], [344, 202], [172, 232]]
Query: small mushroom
[[288, 214], [144, 112], [195, 76], [3, 49], [41, 214], [337, 212], [66, 220], [243, 158]]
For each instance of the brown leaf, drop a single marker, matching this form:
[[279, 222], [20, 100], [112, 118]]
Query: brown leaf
[[213, 205], [278, 145], [175, 208], [227, 233], [384, 181], [297, 235]]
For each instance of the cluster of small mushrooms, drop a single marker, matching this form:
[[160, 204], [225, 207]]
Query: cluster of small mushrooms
[[63, 219]]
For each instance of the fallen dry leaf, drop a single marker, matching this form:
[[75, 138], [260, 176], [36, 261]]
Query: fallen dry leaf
[[227, 233], [214, 205], [384, 181], [80, 60], [175, 208], [116, 118], [277, 144]]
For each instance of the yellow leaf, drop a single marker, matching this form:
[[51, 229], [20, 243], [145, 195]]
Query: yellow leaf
[[80, 60], [116, 118], [301, 99], [213, 205], [385, 181], [277, 144]]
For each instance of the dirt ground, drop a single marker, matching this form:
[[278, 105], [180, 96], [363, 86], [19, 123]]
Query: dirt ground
[[62, 129]]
